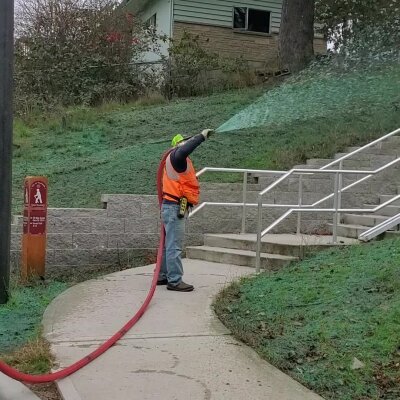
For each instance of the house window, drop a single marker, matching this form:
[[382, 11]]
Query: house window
[[252, 20], [152, 22]]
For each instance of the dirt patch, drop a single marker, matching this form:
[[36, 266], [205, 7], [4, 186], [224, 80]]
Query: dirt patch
[[387, 377], [46, 391]]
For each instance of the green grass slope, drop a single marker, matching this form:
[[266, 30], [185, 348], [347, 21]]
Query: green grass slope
[[312, 320], [20, 317], [117, 149]]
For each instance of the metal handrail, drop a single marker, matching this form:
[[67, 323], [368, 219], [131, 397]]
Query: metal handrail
[[336, 209], [336, 195], [346, 210], [338, 190], [380, 228], [295, 171], [245, 173], [323, 210], [377, 171], [241, 170], [359, 150]]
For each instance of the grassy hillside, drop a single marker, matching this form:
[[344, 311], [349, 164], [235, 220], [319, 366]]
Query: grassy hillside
[[314, 318], [116, 149]]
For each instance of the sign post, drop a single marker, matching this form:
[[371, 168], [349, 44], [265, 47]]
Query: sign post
[[34, 238]]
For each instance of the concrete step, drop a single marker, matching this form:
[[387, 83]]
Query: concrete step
[[352, 148], [259, 175], [390, 146], [350, 231], [283, 244], [392, 234], [367, 157], [383, 198], [238, 257], [265, 182], [319, 162], [377, 150], [356, 157], [394, 139], [364, 219], [389, 211], [303, 166]]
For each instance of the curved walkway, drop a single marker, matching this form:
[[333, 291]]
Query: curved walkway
[[178, 350], [13, 390]]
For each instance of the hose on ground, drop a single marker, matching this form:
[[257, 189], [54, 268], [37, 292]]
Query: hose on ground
[[36, 379]]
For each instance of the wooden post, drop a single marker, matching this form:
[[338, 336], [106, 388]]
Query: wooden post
[[34, 240]]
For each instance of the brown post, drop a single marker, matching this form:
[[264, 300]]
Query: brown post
[[35, 227]]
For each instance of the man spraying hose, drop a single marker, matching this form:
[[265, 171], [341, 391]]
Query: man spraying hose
[[180, 192]]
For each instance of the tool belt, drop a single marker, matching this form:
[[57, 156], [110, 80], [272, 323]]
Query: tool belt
[[183, 204]]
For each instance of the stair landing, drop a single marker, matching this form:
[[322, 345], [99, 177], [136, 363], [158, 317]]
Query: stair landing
[[288, 239]]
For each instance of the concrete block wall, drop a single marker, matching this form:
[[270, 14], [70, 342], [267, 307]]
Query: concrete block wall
[[96, 236], [126, 228]]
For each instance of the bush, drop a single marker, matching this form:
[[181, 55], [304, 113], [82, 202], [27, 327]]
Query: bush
[[192, 70], [71, 52]]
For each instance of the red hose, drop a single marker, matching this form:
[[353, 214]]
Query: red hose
[[34, 379]]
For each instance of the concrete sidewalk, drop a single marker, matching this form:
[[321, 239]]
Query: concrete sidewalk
[[179, 350], [13, 390]]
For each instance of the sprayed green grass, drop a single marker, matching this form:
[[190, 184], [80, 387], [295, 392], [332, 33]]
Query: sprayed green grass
[[313, 318], [20, 317], [318, 92], [116, 149]]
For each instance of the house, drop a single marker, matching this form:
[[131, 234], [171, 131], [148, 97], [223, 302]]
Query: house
[[231, 28]]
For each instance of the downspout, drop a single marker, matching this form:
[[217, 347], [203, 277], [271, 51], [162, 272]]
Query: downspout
[[171, 28], [171, 33]]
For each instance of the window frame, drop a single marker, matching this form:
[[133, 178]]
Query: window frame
[[149, 21], [246, 28]]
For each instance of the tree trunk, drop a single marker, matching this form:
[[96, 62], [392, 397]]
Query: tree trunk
[[296, 39]]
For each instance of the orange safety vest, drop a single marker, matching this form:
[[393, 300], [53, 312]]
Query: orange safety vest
[[180, 184]]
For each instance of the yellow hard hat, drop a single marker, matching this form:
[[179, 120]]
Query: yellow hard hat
[[177, 139]]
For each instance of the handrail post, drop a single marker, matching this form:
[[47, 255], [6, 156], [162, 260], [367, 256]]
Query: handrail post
[[300, 203], [335, 207], [244, 203], [259, 232], [340, 186]]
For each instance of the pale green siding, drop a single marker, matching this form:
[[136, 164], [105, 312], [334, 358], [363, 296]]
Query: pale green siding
[[220, 12]]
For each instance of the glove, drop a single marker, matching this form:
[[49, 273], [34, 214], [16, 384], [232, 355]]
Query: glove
[[207, 133]]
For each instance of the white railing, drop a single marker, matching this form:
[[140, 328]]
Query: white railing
[[244, 204], [337, 195], [300, 208], [380, 228]]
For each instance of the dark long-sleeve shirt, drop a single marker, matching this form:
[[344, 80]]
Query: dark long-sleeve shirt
[[180, 154]]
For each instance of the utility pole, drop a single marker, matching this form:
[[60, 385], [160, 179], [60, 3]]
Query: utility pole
[[6, 126]]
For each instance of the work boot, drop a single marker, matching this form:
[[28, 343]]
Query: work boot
[[180, 287], [162, 282]]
